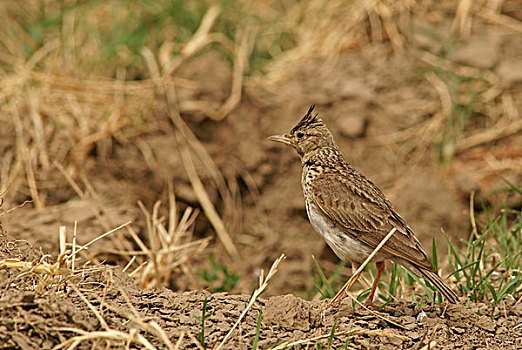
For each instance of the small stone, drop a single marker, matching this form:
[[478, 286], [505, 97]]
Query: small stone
[[421, 316]]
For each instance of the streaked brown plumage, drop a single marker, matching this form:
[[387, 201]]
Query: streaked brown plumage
[[348, 210]]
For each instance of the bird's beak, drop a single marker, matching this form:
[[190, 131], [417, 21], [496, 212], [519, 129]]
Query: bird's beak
[[283, 138]]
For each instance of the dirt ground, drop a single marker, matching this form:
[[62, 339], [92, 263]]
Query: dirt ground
[[38, 312], [386, 114]]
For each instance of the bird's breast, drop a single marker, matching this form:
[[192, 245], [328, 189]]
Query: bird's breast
[[345, 247]]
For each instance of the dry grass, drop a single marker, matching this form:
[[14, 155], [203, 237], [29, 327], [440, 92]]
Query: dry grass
[[324, 29], [459, 86], [63, 98], [169, 248], [70, 265], [59, 116], [41, 266], [164, 255]]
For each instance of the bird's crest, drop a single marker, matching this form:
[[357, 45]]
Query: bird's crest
[[309, 120]]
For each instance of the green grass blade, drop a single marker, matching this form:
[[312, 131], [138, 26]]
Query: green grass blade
[[258, 331], [330, 339], [435, 256]]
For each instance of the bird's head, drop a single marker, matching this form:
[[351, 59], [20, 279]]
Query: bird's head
[[307, 136]]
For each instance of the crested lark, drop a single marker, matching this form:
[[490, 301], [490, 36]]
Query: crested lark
[[349, 211]]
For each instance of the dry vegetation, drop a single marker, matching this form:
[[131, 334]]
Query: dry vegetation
[[111, 109]]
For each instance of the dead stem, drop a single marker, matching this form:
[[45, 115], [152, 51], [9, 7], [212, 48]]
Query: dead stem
[[263, 284], [206, 203]]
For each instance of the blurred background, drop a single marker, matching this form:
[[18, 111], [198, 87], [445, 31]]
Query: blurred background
[[157, 112]]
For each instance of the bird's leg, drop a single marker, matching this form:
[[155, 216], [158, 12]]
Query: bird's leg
[[380, 269]]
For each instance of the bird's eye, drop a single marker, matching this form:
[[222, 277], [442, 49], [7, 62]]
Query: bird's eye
[[299, 135]]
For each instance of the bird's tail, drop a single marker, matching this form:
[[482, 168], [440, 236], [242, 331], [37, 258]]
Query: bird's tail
[[435, 279]]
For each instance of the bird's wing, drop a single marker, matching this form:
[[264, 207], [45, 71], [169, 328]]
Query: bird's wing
[[360, 210]]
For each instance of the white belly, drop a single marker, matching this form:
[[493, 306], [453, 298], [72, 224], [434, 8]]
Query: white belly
[[345, 247]]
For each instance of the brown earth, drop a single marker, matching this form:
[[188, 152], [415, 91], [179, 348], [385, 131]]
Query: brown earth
[[386, 117], [46, 316]]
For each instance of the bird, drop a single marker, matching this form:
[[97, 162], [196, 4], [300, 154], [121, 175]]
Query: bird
[[349, 211]]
